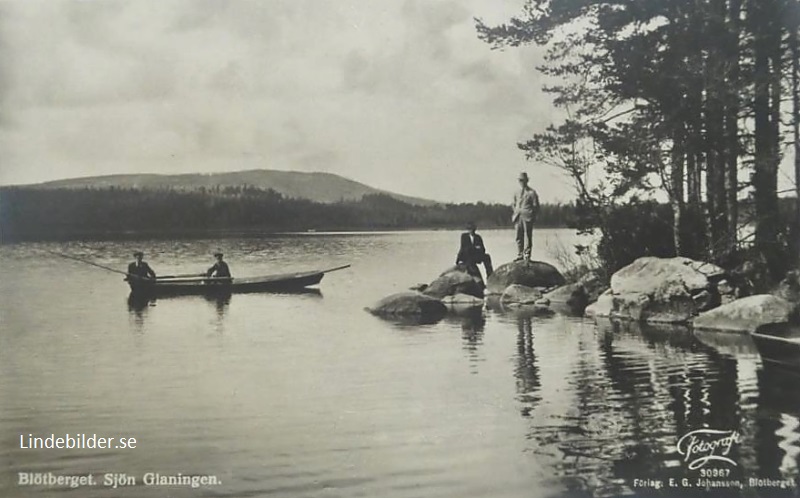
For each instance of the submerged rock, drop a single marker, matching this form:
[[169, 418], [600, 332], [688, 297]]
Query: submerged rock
[[463, 299], [454, 281], [571, 296], [659, 290], [527, 273], [520, 294], [746, 314], [407, 304]]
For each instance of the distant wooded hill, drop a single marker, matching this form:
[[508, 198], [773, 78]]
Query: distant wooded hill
[[318, 187], [69, 213]]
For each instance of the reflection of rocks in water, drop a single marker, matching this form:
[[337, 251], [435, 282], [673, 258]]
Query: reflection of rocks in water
[[672, 335], [495, 303], [526, 371], [727, 343], [401, 321]]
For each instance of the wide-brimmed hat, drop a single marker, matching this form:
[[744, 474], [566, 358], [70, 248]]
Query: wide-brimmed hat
[[523, 176], [138, 253], [217, 253]]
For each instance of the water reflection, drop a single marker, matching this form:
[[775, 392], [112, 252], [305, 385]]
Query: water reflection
[[472, 321], [636, 389], [526, 370], [137, 309], [220, 303]]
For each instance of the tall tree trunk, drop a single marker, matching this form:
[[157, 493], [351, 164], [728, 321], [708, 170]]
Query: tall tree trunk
[[714, 123], [765, 164], [694, 159], [676, 194], [732, 122], [795, 53]]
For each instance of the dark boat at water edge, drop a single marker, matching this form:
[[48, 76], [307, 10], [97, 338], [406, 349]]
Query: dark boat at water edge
[[779, 344]]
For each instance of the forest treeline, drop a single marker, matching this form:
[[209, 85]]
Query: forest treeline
[[694, 101], [38, 214]]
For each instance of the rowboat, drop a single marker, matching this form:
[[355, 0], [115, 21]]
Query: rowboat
[[779, 344], [284, 282]]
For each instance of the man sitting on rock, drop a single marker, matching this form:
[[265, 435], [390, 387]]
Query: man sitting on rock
[[473, 252]]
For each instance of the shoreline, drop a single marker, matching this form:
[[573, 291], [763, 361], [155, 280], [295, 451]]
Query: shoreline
[[238, 233]]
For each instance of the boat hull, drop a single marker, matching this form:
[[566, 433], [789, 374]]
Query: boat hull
[[779, 344], [273, 283]]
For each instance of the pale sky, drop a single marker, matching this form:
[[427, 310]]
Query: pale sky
[[398, 94]]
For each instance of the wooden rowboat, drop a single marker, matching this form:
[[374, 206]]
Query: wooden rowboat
[[284, 282], [779, 344]]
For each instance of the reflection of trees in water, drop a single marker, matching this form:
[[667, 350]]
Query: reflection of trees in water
[[778, 434], [635, 393]]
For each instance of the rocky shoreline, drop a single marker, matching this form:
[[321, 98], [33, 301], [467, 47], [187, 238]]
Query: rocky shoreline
[[678, 291]]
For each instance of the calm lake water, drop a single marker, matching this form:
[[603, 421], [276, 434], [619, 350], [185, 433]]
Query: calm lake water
[[307, 395]]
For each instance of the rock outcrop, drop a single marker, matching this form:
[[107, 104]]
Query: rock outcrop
[[409, 304], [660, 290], [527, 273], [746, 314], [454, 281]]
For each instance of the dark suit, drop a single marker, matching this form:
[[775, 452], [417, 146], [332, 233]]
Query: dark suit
[[220, 269], [141, 270], [472, 253]]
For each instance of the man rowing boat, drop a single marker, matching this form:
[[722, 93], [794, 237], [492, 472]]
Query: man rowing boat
[[140, 268], [220, 268]]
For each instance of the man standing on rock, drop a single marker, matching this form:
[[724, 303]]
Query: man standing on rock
[[526, 208]]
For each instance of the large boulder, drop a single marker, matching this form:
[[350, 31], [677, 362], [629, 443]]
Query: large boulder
[[660, 290], [409, 304], [527, 273], [520, 294], [454, 281], [746, 314]]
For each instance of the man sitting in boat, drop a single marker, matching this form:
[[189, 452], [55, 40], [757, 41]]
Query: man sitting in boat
[[220, 268], [140, 268], [472, 252]]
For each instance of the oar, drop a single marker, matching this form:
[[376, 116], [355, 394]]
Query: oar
[[185, 275], [196, 278], [336, 269], [66, 256]]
